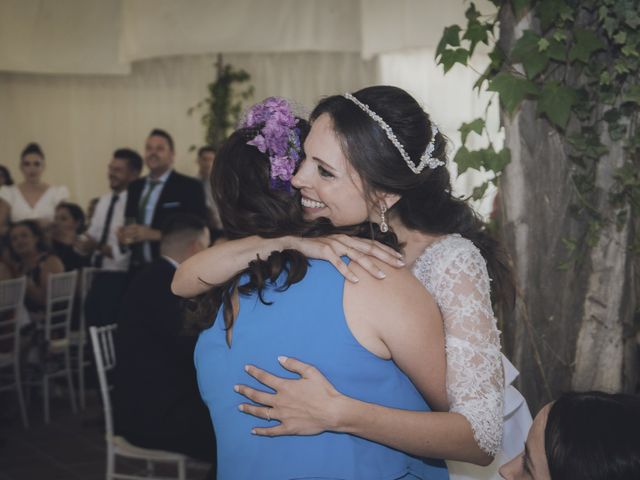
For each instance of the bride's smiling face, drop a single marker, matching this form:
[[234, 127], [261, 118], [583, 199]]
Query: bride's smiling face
[[328, 184]]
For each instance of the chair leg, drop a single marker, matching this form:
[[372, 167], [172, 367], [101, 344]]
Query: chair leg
[[45, 397], [111, 461], [23, 409], [182, 470], [81, 375], [72, 393]]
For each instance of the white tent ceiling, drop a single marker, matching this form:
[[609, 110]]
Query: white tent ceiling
[[105, 36]]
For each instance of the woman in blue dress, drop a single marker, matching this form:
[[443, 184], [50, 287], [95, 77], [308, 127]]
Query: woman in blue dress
[[369, 338]]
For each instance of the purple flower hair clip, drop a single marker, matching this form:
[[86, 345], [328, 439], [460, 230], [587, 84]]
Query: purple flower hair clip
[[279, 138]]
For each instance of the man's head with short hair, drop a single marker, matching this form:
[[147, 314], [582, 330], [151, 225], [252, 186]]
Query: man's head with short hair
[[183, 235], [158, 152], [206, 157], [124, 167]]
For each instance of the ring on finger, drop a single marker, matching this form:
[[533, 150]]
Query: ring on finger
[[269, 414]]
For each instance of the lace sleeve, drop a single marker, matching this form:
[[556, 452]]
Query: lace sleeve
[[460, 284]]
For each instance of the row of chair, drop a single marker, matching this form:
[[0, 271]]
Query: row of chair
[[61, 348]]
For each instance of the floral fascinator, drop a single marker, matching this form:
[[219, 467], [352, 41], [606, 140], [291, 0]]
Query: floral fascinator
[[279, 138]]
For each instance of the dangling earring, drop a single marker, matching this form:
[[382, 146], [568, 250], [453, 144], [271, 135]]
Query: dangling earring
[[384, 228]]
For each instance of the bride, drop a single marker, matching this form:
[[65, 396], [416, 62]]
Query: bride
[[380, 139]]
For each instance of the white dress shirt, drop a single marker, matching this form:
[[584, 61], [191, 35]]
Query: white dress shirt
[[120, 261]]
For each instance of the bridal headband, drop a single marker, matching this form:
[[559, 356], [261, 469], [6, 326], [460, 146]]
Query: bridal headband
[[426, 160]]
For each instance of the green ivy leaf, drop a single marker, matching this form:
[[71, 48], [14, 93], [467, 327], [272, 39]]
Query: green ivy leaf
[[479, 192], [466, 128], [472, 14], [586, 43], [450, 37], [497, 60], [617, 131], [477, 32], [450, 57], [632, 95], [497, 162], [520, 7], [620, 37], [632, 18], [549, 11], [466, 159], [555, 102], [557, 50], [527, 51], [543, 45], [512, 90]]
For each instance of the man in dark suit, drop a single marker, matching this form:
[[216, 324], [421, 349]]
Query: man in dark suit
[[151, 199], [156, 399]]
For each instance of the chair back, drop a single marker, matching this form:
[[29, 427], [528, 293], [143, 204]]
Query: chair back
[[61, 289], [88, 274], [105, 356], [11, 303]]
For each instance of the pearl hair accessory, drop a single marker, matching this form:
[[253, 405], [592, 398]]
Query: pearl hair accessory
[[426, 160]]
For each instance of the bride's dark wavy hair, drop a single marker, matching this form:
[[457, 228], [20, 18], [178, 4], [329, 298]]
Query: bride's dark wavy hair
[[248, 205], [426, 201]]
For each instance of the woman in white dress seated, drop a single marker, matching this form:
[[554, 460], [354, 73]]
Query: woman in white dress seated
[[32, 199]]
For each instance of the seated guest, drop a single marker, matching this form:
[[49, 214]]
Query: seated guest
[[5, 176], [156, 399], [32, 199], [582, 436], [68, 224], [32, 257]]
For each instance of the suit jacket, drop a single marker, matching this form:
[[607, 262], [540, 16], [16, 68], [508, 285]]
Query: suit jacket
[[156, 398], [180, 194]]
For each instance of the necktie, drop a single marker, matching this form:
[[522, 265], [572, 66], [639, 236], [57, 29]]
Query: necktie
[[142, 207], [105, 229]]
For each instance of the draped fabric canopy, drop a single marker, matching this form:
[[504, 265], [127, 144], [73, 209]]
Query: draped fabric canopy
[[84, 77]]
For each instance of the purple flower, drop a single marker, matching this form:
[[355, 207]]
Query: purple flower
[[278, 138]]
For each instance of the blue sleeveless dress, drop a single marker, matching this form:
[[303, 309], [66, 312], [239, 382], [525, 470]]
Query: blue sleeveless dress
[[306, 322]]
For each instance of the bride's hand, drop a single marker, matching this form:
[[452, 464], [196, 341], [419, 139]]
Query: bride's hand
[[304, 406], [359, 250]]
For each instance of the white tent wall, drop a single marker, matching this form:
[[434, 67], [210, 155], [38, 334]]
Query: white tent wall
[[80, 120], [83, 77]]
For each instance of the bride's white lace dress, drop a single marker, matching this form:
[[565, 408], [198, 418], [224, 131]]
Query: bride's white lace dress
[[479, 377]]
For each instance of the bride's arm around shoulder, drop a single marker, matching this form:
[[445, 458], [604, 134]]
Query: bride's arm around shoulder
[[460, 283]]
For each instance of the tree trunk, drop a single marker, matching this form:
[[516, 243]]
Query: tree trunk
[[571, 328]]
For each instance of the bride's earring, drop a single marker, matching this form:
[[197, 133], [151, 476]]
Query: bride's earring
[[384, 228]]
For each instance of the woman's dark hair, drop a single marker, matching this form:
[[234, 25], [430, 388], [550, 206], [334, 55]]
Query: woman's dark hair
[[593, 436], [249, 205], [41, 242], [426, 201], [4, 171], [32, 147], [76, 213]]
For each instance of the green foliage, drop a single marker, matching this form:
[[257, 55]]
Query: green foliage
[[581, 66], [223, 105], [512, 90]]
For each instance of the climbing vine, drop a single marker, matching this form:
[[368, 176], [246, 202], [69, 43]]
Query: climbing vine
[[223, 105], [580, 64]]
